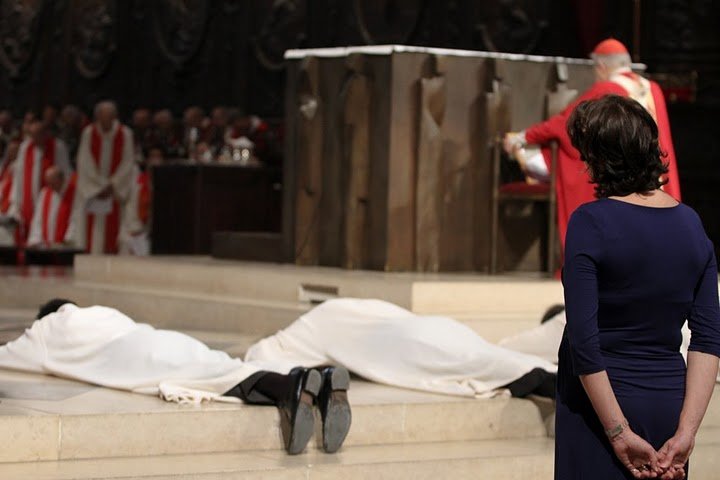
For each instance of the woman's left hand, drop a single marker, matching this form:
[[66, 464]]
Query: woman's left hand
[[674, 455]]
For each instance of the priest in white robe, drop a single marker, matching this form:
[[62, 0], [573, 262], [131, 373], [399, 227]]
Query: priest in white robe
[[36, 155], [106, 172], [136, 228], [52, 221]]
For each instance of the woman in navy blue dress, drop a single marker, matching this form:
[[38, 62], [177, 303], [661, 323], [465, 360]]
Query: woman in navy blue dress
[[638, 264]]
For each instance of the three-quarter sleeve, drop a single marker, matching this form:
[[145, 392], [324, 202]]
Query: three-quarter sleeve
[[583, 247], [704, 318]]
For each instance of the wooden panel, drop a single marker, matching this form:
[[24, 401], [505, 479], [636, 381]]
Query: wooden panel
[[333, 72], [379, 150], [191, 202], [528, 81], [463, 199], [250, 246], [405, 91], [175, 207]]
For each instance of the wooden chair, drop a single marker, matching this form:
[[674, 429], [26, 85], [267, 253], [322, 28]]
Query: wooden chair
[[523, 192]]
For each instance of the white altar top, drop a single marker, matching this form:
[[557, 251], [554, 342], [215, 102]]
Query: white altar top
[[296, 54]]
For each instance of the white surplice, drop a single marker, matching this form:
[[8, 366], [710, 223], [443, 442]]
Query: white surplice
[[94, 175], [102, 346], [17, 194], [387, 344]]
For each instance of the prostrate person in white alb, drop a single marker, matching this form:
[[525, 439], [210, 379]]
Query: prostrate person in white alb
[[102, 346], [544, 340], [387, 344]]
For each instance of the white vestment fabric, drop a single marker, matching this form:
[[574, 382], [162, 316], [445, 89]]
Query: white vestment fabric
[[100, 345], [17, 195], [134, 233], [387, 344], [35, 237], [535, 165], [7, 233], [544, 340]]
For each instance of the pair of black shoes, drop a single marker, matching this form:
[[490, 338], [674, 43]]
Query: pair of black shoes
[[326, 388]]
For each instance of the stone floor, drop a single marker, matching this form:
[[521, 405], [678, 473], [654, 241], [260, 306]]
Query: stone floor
[[61, 429], [505, 459]]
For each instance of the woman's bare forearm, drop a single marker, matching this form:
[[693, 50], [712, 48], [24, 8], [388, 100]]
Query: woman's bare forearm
[[598, 388], [701, 375]]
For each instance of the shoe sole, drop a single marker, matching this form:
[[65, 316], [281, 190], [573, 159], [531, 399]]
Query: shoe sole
[[338, 417], [303, 427]]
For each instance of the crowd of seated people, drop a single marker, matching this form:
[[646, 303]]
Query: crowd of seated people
[[225, 135], [82, 181]]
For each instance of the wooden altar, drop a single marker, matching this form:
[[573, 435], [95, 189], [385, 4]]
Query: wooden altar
[[389, 148]]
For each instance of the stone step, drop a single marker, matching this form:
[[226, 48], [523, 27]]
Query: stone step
[[165, 308], [515, 459], [445, 293], [160, 308], [529, 459], [45, 418]]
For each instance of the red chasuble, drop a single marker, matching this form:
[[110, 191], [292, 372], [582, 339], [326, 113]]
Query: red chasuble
[[573, 182]]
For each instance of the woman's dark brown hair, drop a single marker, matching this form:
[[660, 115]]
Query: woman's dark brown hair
[[618, 140]]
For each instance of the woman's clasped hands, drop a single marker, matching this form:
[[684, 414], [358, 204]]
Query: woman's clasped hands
[[642, 461]]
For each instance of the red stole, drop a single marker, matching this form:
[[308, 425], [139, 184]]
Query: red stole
[[64, 212], [6, 181], [112, 221], [48, 160], [143, 212]]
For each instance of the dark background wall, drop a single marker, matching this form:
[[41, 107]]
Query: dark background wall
[[176, 53], [173, 53]]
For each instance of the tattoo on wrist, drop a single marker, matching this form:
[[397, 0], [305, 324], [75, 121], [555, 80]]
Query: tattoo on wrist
[[617, 430]]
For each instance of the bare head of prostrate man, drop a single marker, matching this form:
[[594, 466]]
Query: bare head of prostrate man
[[176, 367], [52, 306]]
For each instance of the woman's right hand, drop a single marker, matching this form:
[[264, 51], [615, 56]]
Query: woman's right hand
[[673, 456], [638, 456]]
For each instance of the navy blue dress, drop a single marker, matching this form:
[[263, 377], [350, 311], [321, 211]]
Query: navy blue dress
[[632, 276]]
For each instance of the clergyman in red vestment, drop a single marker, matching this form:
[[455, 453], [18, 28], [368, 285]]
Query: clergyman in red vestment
[[614, 76]]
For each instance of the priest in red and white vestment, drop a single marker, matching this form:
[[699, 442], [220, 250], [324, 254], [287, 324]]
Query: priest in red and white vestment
[[7, 222], [135, 230], [51, 224], [614, 76], [36, 155], [106, 172]]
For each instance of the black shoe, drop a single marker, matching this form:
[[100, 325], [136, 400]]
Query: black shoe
[[334, 408], [297, 420]]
